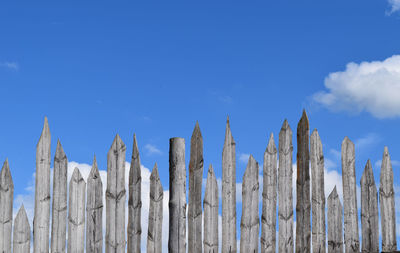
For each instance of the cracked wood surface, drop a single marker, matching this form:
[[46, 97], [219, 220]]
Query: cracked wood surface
[[76, 213], [387, 203], [229, 240], [250, 222], [285, 189], [211, 203], [351, 233], [134, 201], [6, 208], [195, 190], [115, 198], [41, 220], [268, 218], [335, 220], [177, 197], [94, 211], [318, 194], [59, 206], [303, 205], [21, 233], [154, 234], [369, 211]]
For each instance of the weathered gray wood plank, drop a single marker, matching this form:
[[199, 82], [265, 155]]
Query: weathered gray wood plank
[[303, 206], [154, 234], [177, 196], [115, 198], [134, 201], [318, 194], [229, 241], [211, 203], [41, 220], [285, 190], [387, 203], [59, 206], [6, 208], [250, 222], [21, 233], [76, 213], [351, 233], [94, 211], [335, 220], [195, 188], [369, 211], [268, 220]]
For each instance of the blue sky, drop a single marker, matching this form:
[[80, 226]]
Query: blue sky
[[100, 68]]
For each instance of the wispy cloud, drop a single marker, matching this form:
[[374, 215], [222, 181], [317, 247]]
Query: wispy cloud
[[244, 158], [152, 150], [394, 6], [9, 65], [372, 87]]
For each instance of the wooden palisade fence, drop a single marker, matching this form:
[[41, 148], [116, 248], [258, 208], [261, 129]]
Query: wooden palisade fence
[[79, 214]]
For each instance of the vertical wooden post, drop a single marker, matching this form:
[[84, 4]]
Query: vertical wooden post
[[318, 194], [195, 188], [335, 220], [177, 196], [41, 220], [210, 204], [59, 207], [6, 208], [21, 233], [387, 203], [351, 235], [115, 197], [303, 206], [134, 201], [154, 234], [285, 189], [94, 211], [229, 240], [250, 223], [369, 211], [268, 220], [76, 213]]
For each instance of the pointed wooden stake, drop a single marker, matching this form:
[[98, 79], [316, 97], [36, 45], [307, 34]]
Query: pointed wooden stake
[[250, 223], [94, 211], [177, 196], [387, 203], [285, 189], [195, 188], [229, 241], [76, 213], [335, 227], [59, 206], [268, 220], [318, 194], [6, 208], [154, 234], [369, 211], [134, 201], [41, 220], [351, 236], [303, 206], [22, 233], [115, 197], [210, 204]]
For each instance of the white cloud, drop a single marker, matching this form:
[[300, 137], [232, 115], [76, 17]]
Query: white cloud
[[244, 158], [373, 87], [394, 5], [10, 65], [28, 199], [152, 150]]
